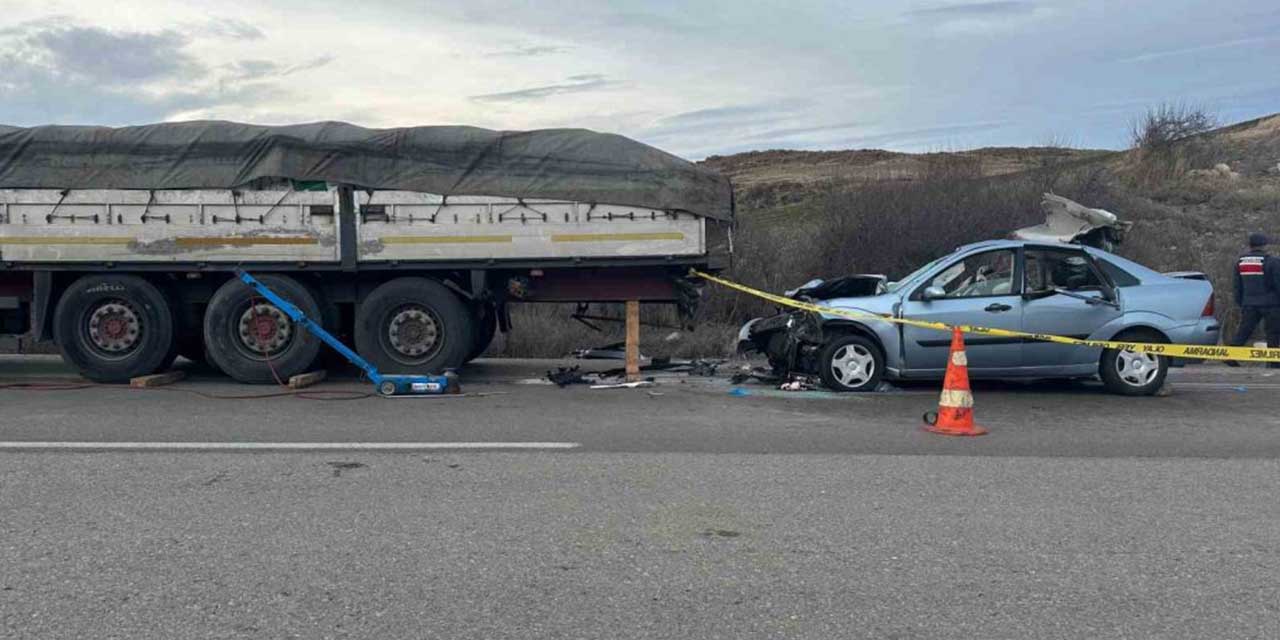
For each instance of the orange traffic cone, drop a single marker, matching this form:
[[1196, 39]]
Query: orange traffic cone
[[955, 409]]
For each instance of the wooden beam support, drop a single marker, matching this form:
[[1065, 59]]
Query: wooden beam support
[[157, 379], [633, 340], [303, 380]]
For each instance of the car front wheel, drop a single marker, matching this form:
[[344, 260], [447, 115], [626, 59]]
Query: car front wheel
[[851, 363]]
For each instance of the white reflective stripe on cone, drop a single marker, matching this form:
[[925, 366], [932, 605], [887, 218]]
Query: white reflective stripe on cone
[[956, 398], [959, 359]]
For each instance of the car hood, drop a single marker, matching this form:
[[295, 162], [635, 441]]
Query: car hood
[[883, 304], [863, 284]]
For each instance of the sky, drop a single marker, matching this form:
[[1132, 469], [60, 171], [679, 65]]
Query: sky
[[694, 78]]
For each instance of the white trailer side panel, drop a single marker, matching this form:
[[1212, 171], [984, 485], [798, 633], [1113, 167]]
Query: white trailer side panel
[[301, 226], [400, 225], [167, 226]]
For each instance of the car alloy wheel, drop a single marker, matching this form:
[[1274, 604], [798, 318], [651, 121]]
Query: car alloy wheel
[[1137, 369], [853, 365]]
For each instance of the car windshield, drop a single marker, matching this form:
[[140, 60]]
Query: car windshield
[[894, 286]]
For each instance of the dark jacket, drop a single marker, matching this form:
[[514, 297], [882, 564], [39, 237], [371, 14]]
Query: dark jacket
[[1258, 280]]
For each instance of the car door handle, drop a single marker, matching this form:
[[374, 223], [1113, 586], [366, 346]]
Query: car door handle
[[998, 308]]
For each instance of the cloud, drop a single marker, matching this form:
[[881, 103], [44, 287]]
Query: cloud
[[528, 51], [228, 29], [108, 56], [775, 134], [729, 113], [970, 18], [68, 73], [1228, 44], [572, 84], [651, 22], [259, 69], [38, 97], [968, 10], [734, 118]]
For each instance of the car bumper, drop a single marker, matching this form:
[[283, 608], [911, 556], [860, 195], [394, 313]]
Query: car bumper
[[1206, 332]]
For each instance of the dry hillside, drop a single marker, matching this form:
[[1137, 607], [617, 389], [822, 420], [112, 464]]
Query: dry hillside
[[806, 214], [779, 177]]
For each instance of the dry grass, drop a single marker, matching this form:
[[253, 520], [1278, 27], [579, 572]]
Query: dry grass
[[825, 214], [548, 331]]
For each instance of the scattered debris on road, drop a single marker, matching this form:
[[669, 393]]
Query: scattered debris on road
[[565, 376], [625, 385], [614, 351], [339, 466]]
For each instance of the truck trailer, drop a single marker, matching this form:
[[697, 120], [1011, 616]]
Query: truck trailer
[[119, 244]]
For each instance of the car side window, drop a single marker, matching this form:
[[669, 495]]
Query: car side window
[[976, 276], [1047, 270], [1119, 277]]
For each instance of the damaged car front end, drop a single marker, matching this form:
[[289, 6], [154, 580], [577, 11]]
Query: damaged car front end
[[844, 353]]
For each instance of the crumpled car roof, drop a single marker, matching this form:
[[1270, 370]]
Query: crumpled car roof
[[1069, 221]]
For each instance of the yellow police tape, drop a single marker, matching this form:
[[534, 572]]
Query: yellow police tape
[[1199, 352]]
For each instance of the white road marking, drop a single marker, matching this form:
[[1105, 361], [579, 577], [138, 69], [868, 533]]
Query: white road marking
[[1227, 385], [283, 446]]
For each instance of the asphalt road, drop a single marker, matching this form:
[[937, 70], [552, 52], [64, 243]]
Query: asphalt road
[[683, 512]]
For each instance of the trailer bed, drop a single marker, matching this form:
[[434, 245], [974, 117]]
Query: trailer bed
[[224, 226]]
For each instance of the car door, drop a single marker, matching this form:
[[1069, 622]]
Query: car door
[[982, 289], [1066, 295]]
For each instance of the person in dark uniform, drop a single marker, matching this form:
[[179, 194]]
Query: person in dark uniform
[[1258, 294]]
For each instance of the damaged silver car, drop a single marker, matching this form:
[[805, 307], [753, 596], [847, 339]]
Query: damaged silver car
[[1022, 285]]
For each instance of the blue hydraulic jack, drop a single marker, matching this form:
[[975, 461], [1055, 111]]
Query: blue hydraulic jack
[[387, 385]]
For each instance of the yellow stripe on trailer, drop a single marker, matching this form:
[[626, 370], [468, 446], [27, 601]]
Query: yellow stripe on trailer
[[614, 237], [1196, 351], [243, 241], [446, 240], [51, 240]]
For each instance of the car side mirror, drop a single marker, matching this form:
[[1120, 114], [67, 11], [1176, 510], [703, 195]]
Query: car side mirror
[[933, 293]]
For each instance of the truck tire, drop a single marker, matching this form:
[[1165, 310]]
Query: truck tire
[[114, 327], [485, 324], [414, 325], [254, 342]]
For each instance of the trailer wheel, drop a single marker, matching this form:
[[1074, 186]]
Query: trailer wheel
[[485, 324], [413, 325], [114, 327], [252, 340]]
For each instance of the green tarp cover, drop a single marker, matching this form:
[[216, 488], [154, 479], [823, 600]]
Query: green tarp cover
[[570, 164]]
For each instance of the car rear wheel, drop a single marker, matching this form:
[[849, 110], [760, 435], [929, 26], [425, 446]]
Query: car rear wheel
[[1133, 373], [851, 363]]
